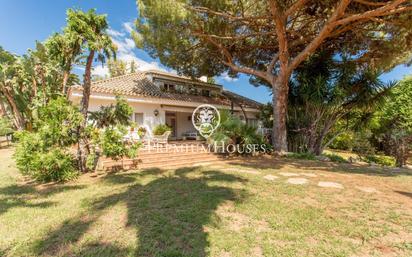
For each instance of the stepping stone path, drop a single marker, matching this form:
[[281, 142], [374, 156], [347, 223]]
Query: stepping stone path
[[330, 184], [367, 189], [288, 174], [297, 181], [270, 177]]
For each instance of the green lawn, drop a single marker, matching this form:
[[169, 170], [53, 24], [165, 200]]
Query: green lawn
[[220, 210]]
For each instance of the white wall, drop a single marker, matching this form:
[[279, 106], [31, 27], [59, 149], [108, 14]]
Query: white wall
[[183, 123], [150, 120]]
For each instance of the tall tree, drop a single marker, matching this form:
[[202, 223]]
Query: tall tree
[[326, 89], [396, 122], [269, 39], [116, 68], [133, 66], [8, 86], [90, 29], [65, 48]]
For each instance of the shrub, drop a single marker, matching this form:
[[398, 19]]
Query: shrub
[[57, 122], [336, 158], [41, 154], [27, 149], [343, 141], [115, 147], [54, 165], [234, 131], [112, 115], [380, 160], [302, 156], [161, 129], [32, 159], [5, 126]]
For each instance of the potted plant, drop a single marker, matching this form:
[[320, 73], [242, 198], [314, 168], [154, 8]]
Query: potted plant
[[141, 131]]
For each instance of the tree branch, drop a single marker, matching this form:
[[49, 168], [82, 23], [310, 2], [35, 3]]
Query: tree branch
[[382, 11], [295, 7], [323, 34], [280, 20]]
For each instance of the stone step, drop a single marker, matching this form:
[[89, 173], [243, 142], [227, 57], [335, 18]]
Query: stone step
[[177, 164], [173, 157], [161, 161]]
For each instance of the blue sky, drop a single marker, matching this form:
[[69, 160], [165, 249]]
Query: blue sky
[[22, 22]]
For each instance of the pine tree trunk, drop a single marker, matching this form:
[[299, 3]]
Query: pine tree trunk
[[82, 150], [280, 102]]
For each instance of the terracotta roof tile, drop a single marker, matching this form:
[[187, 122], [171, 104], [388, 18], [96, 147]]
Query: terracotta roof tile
[[138, 84]]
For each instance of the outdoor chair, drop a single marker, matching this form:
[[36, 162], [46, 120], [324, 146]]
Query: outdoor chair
[[162, 139]]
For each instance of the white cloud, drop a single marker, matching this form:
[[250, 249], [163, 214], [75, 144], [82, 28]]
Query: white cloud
[[101, 71], [115, 33], [128, 26], [126, 52], [226, 77]]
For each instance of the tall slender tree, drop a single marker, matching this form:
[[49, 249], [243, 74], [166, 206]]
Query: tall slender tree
[[65, 48], [90, 29], [269, 39]]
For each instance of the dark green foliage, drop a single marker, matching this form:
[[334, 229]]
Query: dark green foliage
[[336, 158], [44, 153], [329, 97], [380, 160], [54, 165], [344, 141], [57, 122], [301, 156], [161, 129], [395, 131], [234, 131], [28, 146], [266, 115], [6, 126], [113, 114], [35, 159], [113, 145]]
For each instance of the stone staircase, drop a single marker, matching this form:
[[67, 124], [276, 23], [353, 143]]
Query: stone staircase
[[163, 158]]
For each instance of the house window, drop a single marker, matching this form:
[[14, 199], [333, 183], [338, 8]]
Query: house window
[[205, 92], [253, 122], [138, 118], [169, 87]]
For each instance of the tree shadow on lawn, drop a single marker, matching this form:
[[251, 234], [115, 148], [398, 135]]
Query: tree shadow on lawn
[[279, 162], [168, 213], [20, 195]]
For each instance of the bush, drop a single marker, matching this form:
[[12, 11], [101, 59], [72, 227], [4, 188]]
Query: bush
[[27, 149], [343, 142], [32, 159], [41, 154], [380, 160], [161, 129], [5, 126], [336, 158], [234, 131], [301, 156], [54, 165], [115, 147]]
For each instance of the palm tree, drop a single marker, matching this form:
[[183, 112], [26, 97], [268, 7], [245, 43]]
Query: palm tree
[[89, 29]]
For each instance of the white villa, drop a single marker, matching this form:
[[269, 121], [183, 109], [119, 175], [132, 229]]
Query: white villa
[[163, 98]]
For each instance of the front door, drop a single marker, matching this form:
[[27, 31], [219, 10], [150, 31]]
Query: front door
[[171, 122]]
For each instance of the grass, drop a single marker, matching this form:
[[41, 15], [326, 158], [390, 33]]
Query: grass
[[217, 210]]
